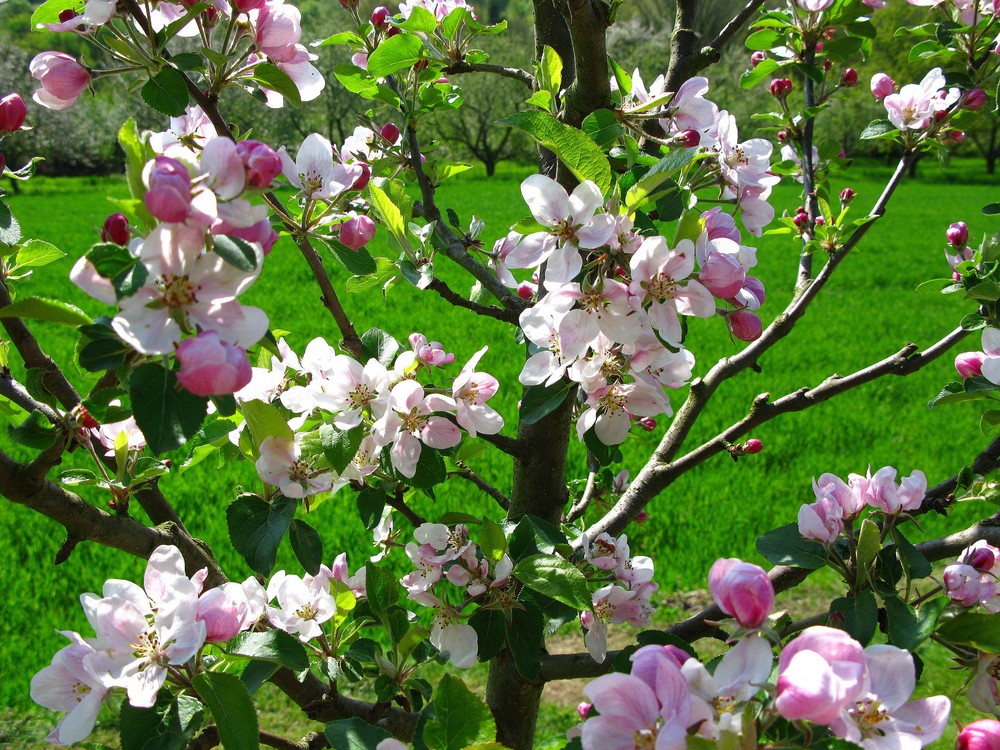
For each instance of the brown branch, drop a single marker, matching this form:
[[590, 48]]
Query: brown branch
[[469, 475], [588, 22], [456, 299], [515, 74], [11, 389], [397, 502]]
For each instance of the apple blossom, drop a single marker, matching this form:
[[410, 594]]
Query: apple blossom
[[430, 353], [745, 325], [169, 195], [67, 685], [357, 230], [303, 606], [12, 114], [742, 590], [979, 735], [984, 693], [314, 171], [212, 367], [969, 364], [283, 465], [819, 674], [822, 520], [470, 391], [63, 79]]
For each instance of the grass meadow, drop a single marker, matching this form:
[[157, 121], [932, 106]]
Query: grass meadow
[[868, 311]]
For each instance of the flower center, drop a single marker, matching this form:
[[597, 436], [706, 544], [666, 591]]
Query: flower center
[[661, 287], [147, 646], [612, 401], [413, 421], [311, 182], [868, 714], [360, 396], [177, 291], [307, 611], [79, 690]]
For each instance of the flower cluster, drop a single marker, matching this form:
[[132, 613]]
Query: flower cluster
[[839, 502], [443, 554], [398, 415], [272, 27], [972, 579], [153, 635], [626, 595]]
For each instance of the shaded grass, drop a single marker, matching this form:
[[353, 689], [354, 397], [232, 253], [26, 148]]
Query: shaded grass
[[867, 312]]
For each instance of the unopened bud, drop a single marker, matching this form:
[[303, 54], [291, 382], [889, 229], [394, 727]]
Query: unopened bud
[[647, 423], [641, 517], [3, 163], [780, 87], [847, 195], [969, 364], [67, 15], [827, 64], [801, 220], [689, 138], [955, 136], [525, 291], [974, 99], [745, 325], [362, 182], [116, 230], [349, 4], [752, 446], [421, 65], [392, 31], [882, 85], [12, 114], [757, 58], [783, 136], [379, 16], [958, 234], [820, 221], [982, 559], [582, 709], [390, 132], [850, 78]]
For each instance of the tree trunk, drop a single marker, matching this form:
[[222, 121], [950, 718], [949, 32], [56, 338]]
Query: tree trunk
[[491, 166]]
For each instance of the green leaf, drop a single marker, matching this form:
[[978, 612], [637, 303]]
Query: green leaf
[[580, 154], [972, 629], [549, 72], [256, 673], [869, 543], [541, 400], [166, 92], [603, 127], [227, 698], [605, 455], [912, 560], [909, 628], [382, 588], [270, 645], [344, 37], [187, 60], [256, 528], [860, 615], [264, 421], [395, 54], [359, 262], [525, 638], [340, 446], [766, 39], [379, 345], [42, 308], [755, 75], [492, 541], [35, 431], [877, 129], [37, 253], [235, 251], [385, 270], [167, 414], [784, 546], [460, 718], [430, 471], [354, 734], [991, 209], [957, 392], [491, 627], [307, 546], [556, 578], [10, 230], [271, 77], [371, 504], [420, 19], [48, 12], [168, 725], [103, 351]]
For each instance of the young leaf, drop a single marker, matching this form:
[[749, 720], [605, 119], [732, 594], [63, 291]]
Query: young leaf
[[541, 400], [168, 725], [556, 578], [394, 54], [42, 308], [784, 546], [460, 718], [256, 528], [235, 251], [354, 734], [271, 77], [227, 698], [270, 645], [37, 253], [167, 414], [166, 92], [340, 446]]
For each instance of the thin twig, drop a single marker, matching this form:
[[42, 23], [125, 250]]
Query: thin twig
[[515, 74], [456, 299], [396, 501], [468, 474]]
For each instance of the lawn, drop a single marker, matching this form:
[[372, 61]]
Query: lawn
[[868, 311]]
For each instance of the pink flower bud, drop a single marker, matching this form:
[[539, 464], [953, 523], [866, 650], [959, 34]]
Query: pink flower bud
[[392, 31], [819, 674], [390, 132], [212, 367], [741, 590], [981, 558], [12, 114], [954, 137], [753, 445], [582, 710], [757, 58], [641, 517], [525, 290], [430, 352], [801, 220], [782, 136], [116, 230], [245, 6], [360, 59], [63, 79], [974, 99], [780, 87], [850, 78], [969, 364], [67, 15], [261, 162], [262, 233], [349, 4], [689, 138], [366, 174], [979, 735], [169, 194], [847, 195], [722, 275], [756, 287], [820, 221], [220, 614], [958, 234], [882, 86], [647, 423], [745, 325], [379, 16], [357, 231]]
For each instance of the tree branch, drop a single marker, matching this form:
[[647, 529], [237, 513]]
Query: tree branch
[[468, 474], [456, 299], [515, 74]]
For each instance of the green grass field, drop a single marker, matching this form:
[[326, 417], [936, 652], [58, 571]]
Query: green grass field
[[869, 311]]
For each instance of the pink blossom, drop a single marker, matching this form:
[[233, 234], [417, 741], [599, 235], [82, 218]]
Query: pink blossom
[[66, 685], [969, 364], [303, 606], [223, 168], [822, 520], [63, 79], [357, 231], [814, 6], [12, 114], [261, 162], [409, 422], [882, 86], [278, 29], [742, 590], [169, 195], [979, 735], [116, 230], [991, 348], [984, 693], [470, 391], [282, 464], [315, 172], [915, 104], [612, 407], [819, 674], [722, 275], [261, 233], [745, 325], [212, 367], [430, 353]]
